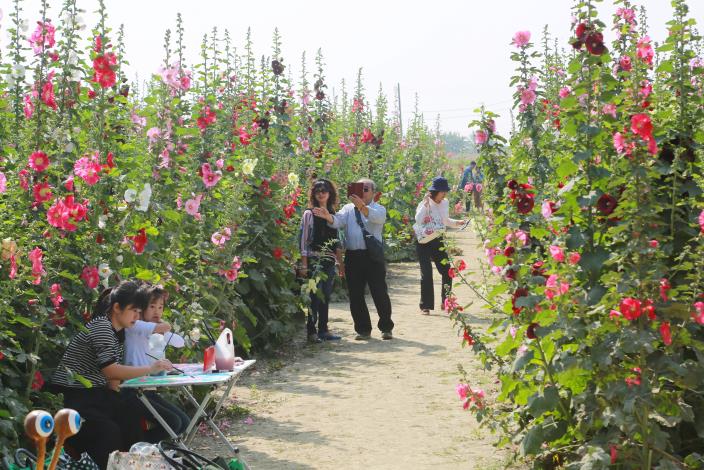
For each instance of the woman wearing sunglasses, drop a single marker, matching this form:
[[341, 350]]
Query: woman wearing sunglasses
[[320, 252]]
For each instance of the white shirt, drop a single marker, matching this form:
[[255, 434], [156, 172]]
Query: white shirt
[[374, 223], [137, 343], [440, 213]]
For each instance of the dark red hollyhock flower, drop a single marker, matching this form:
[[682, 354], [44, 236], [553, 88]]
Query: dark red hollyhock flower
[[595, 44], [510, 274], [58, 317], [512, 184], [509, 250], [277, 66], [525, 203], [606, 204], [580, 31], [520, 292], [277, 252], [537, 269], [530, 332]]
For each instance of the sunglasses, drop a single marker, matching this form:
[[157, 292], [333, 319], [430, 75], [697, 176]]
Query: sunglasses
[[321, 190], [366, 190]]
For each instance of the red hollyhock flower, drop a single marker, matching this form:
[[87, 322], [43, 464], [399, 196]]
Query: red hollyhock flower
[[452, 273], [468, 337], [631, 308], [367, 136], [42, 192], [103, 72], [606, 204], [614, 453], [595, 44], [461, 266], [664, 287], [649, 309], [509, 250], [278, 253], [139, 241], [90, 276], [524, 203], [38, 161], [520, 292], [38, 381], [666, 333], [530, 332], [59, 316], [642, 126]]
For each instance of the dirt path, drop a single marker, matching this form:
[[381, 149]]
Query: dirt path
[[376, 404]]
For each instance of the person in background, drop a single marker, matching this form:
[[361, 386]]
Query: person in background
[[434, 209], [478, 187], [360, 269], [95, 354], [467, 179], [321, 251], [137, 354]]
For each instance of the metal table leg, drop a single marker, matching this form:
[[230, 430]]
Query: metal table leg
[[156, 414]]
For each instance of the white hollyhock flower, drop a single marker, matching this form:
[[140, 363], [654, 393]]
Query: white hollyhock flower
[[104, 270], [130, 195], [293, 179], [248, 166], [144, 197]]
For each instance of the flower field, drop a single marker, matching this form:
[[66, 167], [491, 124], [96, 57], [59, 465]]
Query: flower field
[[594, 245], [194, 179]]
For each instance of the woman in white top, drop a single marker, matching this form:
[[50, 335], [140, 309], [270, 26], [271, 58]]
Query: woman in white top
[[432, 217]]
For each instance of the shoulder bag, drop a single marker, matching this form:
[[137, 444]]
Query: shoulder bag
[[374, 246]]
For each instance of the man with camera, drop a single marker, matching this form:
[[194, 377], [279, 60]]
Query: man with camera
[[361, 215]]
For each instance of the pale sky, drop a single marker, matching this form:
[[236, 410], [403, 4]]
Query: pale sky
[[454, 54]]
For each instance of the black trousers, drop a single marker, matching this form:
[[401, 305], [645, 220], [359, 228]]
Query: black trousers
[[110, 422], [360, 270], [173, 415], [433, 251]]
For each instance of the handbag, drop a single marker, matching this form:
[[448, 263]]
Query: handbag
[[429, 229], [25, 460], [131, 460], [374, 246]]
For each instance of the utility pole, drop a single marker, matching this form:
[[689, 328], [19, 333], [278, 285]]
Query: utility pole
[[400, 118]]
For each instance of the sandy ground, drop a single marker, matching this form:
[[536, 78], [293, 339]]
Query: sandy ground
[[370, 404]]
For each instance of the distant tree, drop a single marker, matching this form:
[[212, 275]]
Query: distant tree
[[457, 144]]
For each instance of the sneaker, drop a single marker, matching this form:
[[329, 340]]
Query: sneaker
[[313, 338], [425, 311], [387, 335], [361, 337], [327, 336]]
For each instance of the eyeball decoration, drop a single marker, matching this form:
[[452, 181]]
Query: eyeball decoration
[[68, 423], [38, 424]]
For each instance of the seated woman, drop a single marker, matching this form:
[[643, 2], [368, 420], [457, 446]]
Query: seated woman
[[95, 355]]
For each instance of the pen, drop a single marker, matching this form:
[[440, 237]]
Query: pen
[[172, 366]]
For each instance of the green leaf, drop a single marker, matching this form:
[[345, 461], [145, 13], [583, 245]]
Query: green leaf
[[541, 403], [574, 379], [566, 168]]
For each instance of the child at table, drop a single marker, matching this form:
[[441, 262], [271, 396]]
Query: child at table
[[137, 354], [94, 355]]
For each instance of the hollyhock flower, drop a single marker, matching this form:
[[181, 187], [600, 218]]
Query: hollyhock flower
[[609, 109], [565, 92], [103, 70], [193, 205], [153, 134], [139, 241], [557, 253], [625, 63], [606, 204], [463, 390], [595, 43], [3, 182], [698, 314], [143, 198], [547, 209], [666, 333], [467, 336], [664, 287], [42, 192], [478, 187], [701, 221], [518, 293], [649, 309], [47, 94], [461, 265], [248, 166], [58, 317], [24, 179], [277, 253], [104, 270], [634, 379], [28, 107], [653, 243], [305, 145], [527, 96], [56, 297], [138, 120], [613, 453], [13, 266], [37, 381], [530, 331], [451, 304], [69, 183], [206, 118], [220, 237], [646, 89], [469, 187], [90, 277], [631, 308], [644, 50], [574, 257], [458, 207], [88, 169], [524, 203], [210, 178], [43, 37], [481, 137], [521, 38], [38, 161], [229, 274], [367, 136], [357, 106], [36, 256], [130, 195], [452, 273]]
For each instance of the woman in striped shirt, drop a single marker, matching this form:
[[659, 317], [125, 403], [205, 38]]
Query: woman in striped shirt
[[92, 362]]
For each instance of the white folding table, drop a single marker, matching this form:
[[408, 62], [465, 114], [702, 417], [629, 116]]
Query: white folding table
[[193, 375]]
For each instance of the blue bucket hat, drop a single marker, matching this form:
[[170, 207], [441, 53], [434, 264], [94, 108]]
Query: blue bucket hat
[[440, 184]]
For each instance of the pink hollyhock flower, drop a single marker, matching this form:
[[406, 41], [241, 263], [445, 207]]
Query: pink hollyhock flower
[[305, 145], [193, 205], [521, 38], [653, 243], [646, 89], [64, 213], [220, 163], [28, 107], [153, 134], [210, 178], [24, 179], [619, 142], [461, 266], [220, 237], [625, 63], [613, 314], [13, 266], [367, 136], [478, 187], [90, 277], [38, 161], [551, 281], [698, 314], [666, 333], [574, 257], [609, 109], [481, 137], [236, 263], [527, 96], [462, 390], [565, 92], [3, 182], [88, 169], [458, 207], [469, 187], [56, 298], [547, 209], [701, 221], [138, 120], [103, 70], [36, 256], [37, 381], [42, 192], [357, 106], [557, 253], [229, 274], [69, 183], [42, 37], [631, 308], [644, 50]]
